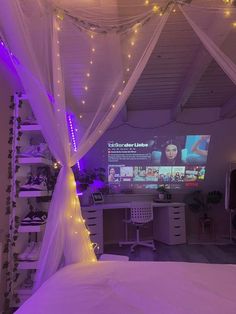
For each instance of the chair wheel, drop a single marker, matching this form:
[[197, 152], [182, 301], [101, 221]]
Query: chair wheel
[[154, 249]]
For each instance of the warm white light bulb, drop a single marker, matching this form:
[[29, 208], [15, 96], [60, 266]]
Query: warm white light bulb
[[86, 87], [88, 74], [80, 116], [83, 102], [129, 55], [155, 8], [93, 49], [91, 62]]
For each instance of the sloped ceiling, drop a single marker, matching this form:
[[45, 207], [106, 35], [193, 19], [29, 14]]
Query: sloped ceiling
[[180, 73]]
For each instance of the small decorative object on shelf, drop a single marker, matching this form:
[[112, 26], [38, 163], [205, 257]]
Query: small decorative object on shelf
[[162, 192]]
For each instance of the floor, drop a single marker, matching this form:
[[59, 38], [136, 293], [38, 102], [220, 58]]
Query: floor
[[195, 253]]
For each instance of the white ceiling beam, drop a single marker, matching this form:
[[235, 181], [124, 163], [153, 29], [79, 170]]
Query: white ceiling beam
[[228, 110], [199, 65]]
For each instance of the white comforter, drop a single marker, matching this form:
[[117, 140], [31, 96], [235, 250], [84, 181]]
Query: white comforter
[[137, 287]]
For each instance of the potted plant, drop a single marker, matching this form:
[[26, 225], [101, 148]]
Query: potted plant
[[161, 192], [85, 179], [199, 202]]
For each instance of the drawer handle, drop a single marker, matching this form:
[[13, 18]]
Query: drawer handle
[[90, 218], [176, 213], [177, 227], [91, 225], [91, 211], [177, 235], [92, 234], [176, 218]]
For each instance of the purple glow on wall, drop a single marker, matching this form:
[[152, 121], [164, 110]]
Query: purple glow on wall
[[7, 57]]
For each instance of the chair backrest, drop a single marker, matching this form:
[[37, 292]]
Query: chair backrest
[[141, 212]]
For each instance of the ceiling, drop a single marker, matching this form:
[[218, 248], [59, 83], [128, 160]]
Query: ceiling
[[179, 74]]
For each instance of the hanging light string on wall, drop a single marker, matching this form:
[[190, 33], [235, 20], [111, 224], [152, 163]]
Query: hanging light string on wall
[[110, 24], [164, 124]]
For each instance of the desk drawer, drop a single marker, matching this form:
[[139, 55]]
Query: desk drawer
[[177, 238], [93, 228], [91, 213]]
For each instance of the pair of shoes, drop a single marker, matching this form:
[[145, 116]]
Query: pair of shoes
[[35, 218], [40, 150], [30, 120], [28, 282], [31, 253], [38, 183]]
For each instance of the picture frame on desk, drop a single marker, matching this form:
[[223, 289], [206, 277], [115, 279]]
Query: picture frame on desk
[[97, 198]]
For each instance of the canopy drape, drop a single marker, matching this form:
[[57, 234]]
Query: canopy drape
[[192, 15], [66, 238]]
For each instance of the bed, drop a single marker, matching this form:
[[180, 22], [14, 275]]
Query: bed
[[137, 287]]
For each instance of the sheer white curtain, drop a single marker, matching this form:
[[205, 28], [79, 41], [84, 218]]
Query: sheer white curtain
[[199, 19], [42, 69], [65, 235]]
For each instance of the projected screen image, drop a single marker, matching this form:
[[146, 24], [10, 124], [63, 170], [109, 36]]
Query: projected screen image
[[175, 162]]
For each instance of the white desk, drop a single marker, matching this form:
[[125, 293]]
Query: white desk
[[169, 221]]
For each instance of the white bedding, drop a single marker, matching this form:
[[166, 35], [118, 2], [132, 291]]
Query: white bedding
[[137, 287]]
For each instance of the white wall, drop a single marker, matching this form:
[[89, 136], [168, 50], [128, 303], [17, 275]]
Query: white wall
[[222, 149]]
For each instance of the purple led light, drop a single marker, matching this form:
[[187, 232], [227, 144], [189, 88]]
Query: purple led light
[[72, 133]]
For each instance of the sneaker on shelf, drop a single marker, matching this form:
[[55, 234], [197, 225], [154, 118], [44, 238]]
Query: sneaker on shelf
[[39, 184], [24, 255], [35, 252], [42, 151], [30, 120], [28, 282], [39, 218], [27, 151], [27, 221], [28, 184]]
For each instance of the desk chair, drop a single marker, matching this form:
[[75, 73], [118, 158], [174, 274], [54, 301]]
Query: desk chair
[[140, 214]]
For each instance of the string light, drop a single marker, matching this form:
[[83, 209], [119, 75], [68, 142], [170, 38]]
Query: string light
[[234, 24], [83, 102], [155, 8]]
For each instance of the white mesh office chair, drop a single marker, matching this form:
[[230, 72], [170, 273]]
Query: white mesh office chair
[[140, 214]]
